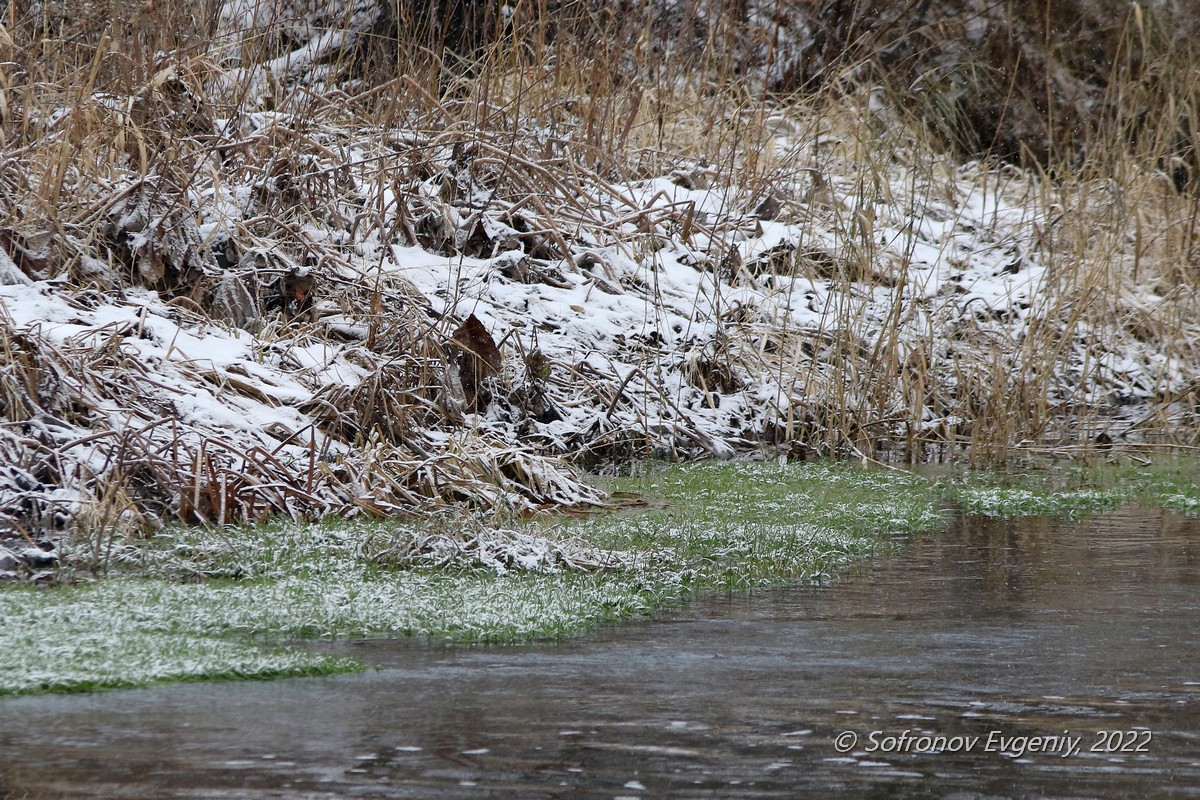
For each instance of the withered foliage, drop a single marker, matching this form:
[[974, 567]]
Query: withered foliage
[[207, 207]]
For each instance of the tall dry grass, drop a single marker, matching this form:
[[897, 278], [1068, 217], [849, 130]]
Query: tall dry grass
[[551, 109]]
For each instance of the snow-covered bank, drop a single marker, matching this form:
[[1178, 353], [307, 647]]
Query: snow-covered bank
[[682, 321], [220, 310]]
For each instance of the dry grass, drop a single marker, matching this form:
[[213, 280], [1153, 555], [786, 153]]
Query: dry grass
[[254, 177]]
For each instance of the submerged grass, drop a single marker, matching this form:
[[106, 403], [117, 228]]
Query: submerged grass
[[1077, 490]]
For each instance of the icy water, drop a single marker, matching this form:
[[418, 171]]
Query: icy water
[[985, 636]]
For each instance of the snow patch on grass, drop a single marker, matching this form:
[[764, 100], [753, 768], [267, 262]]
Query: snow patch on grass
[[1184, 503]]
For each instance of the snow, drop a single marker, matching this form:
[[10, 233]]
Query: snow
[[693, 311]]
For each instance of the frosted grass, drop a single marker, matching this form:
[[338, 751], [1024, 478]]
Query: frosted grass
[[127, 633], [1020, 502], [225, 603], [1077, 491]]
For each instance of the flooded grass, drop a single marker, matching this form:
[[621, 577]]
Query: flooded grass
[[224, 603], [1076, 490]]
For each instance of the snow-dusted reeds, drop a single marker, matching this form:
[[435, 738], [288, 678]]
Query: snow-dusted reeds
[[316, 258]]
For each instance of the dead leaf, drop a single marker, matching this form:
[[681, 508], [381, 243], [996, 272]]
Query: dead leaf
[[478, 359]]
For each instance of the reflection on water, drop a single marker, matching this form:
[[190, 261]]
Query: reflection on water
[[1038, 628]]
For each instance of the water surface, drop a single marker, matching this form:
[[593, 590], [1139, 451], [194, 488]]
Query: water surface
[[1034, 628]]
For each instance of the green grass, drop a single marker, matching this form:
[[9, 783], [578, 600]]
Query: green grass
[[1076, 490], [746, 525], [128, 633], [197, 603], [194, 604]]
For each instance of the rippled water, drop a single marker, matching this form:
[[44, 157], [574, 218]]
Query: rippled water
[[1085, 629]]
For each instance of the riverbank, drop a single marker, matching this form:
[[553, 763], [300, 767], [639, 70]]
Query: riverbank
[[272, 264], [250, 271], [228, 603]]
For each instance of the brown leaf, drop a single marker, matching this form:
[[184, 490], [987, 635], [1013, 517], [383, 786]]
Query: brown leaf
[[479, 358]]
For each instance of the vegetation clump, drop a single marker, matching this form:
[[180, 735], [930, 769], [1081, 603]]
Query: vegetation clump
[[220, 603]]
